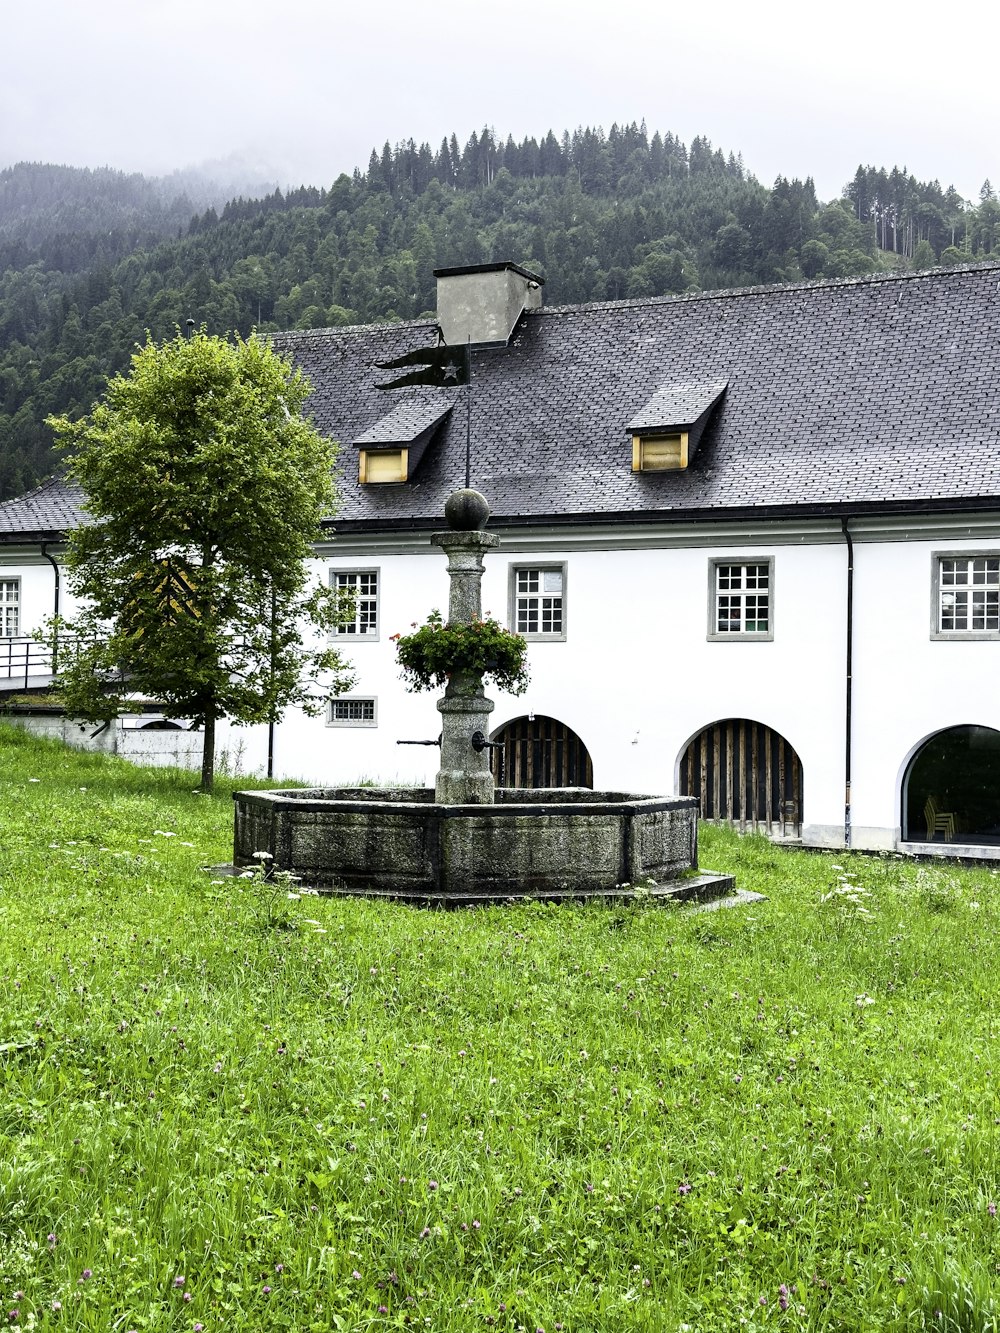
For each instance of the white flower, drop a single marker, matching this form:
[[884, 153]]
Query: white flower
[[34, 779], [863, 999], [262, 856], [185, 844], [293, 897]]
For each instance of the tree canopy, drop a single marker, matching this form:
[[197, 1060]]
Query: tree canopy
[[205, 490]]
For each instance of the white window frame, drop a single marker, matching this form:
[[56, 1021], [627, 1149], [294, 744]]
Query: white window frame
[[331, 711], [739, 594], [360, 630], [519, 597], [10, 608], [943, 583]]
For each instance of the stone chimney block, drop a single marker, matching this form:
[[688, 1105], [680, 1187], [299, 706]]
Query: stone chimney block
[[483, 302]]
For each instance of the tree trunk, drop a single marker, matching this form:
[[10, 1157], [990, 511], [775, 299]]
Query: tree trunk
[[208, 750]]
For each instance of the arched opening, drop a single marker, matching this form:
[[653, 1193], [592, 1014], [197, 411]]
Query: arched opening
[[744, 774], [540, 752], [951, 790]]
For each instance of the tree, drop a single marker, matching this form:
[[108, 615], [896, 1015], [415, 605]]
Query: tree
[[205, 489]]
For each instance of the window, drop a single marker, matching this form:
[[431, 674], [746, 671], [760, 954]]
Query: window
[[382, 465], [740, 599], [10, 601], [538, 601], [352, 713], [966, 596], [659, 453], [362, 586]]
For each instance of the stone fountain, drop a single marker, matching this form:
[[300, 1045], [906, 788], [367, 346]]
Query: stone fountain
[[465, 841]]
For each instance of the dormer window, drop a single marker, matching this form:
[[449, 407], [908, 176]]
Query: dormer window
[[666, 432], [390, 450], [382, 465], [659, 453]]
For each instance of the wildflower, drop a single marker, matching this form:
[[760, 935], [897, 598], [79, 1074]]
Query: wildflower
[[476, 1224], [432, 1184], [425, 1233], [783, 1296], [51, 1238], [383, 1309], [863, 999], [992, 1210], [186, 1297], [179, 1281], [683, 1188], [199, 1328], [87, 1272], [262, 856], [56, 1306], [356, 1275], [266, 1290], [279, 1268]]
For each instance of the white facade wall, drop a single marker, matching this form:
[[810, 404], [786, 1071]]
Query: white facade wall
[[637, 676]]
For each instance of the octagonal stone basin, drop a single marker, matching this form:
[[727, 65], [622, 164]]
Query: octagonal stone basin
[[530, 842]]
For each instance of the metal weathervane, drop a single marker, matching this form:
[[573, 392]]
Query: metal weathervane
[[440, 367]]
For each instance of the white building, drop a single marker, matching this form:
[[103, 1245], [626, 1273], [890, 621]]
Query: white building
[[753, 537]]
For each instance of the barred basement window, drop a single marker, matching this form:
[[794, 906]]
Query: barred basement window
[[966, 596], [740, 599], [10, 603], [362, 584], [352, 713], [537, 598]]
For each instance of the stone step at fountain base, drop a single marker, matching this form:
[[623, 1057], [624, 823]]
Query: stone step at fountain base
[[704, 889]]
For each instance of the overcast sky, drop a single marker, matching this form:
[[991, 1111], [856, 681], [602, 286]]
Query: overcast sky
[[306, 88]]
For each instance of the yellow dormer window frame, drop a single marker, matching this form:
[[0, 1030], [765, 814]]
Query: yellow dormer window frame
[[376, 466], [660, 453]]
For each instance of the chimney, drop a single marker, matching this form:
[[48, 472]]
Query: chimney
[[483, 302]]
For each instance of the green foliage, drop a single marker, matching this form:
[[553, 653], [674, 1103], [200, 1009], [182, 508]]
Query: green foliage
[[436, 651], [612, 1119], [206, 489]]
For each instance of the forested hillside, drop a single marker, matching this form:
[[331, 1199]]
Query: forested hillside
[[89, 261]]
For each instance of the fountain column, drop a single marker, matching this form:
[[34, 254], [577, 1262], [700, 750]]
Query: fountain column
[[465, 777]]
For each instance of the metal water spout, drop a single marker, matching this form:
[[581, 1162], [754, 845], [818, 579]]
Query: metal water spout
[[465, 777]]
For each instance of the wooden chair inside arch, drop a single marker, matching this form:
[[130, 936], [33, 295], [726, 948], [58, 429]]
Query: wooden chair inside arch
[[746, 775], [540, 752]]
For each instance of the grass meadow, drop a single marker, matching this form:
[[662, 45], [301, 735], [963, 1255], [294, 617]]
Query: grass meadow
[[219, 1112]]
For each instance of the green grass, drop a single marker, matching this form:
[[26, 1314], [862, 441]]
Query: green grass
[[370, 1116]]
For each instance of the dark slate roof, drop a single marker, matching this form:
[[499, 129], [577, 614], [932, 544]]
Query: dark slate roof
[[44, 513], [675, 406], [405, 421], [842, 396]]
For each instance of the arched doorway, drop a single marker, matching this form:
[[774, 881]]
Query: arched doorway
[[951, 789], [540, 752], [745, 774]]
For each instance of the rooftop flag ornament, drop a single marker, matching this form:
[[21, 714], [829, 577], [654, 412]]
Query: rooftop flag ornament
[[440, 367]]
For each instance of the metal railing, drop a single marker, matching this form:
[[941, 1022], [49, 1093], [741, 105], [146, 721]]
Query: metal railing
[[22, 658]]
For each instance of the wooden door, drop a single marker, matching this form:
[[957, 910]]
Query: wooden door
[[540, 752], [747, 775]]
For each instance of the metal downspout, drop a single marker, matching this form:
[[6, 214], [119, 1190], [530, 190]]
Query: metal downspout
[[849, 680], [56, 599]]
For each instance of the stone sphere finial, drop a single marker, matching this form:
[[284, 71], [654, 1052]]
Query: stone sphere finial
[[466, 510]]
